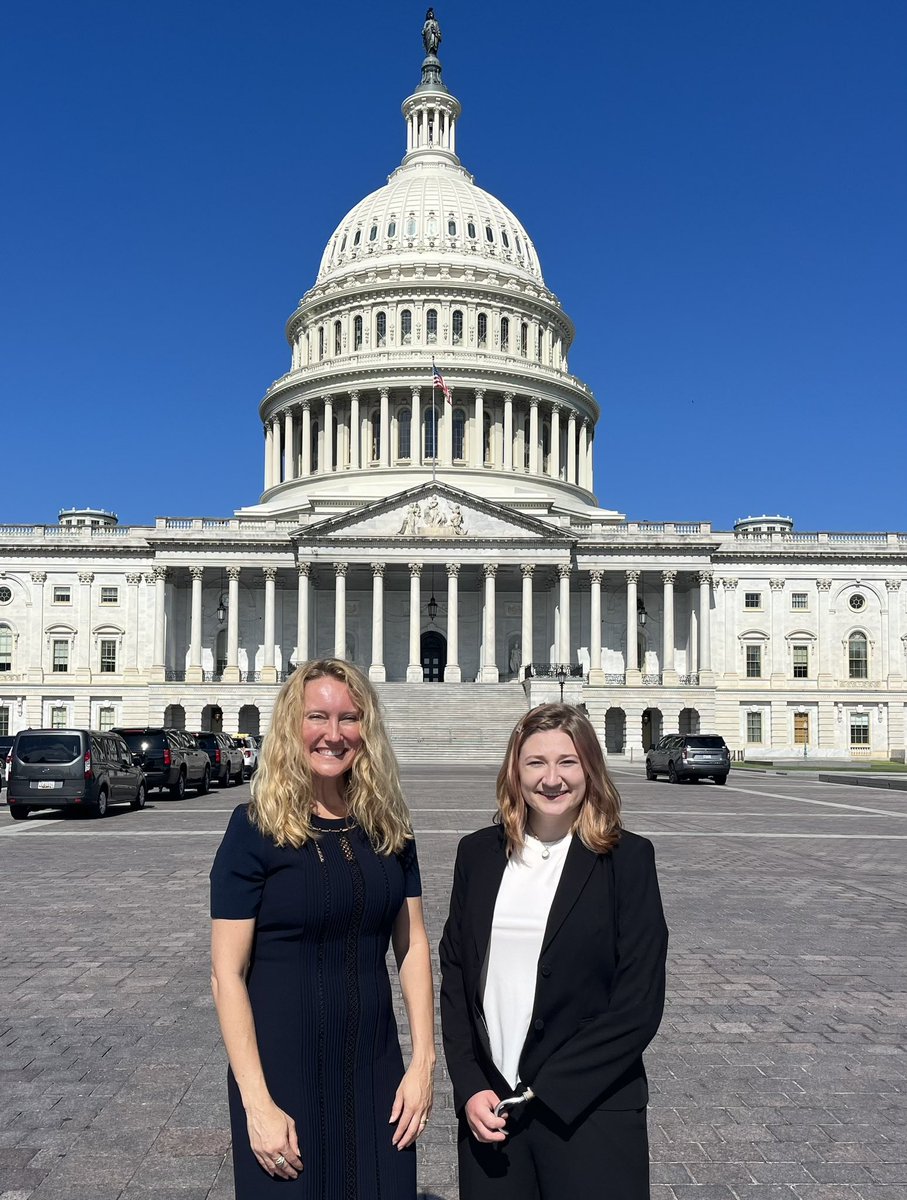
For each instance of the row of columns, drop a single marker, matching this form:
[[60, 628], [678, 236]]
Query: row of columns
[[343, 434]]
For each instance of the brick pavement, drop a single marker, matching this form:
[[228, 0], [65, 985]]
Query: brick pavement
[[779, 1070]]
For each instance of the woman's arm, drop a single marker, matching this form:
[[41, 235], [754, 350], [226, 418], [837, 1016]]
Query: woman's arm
[[413, 1101], [272, 1132]]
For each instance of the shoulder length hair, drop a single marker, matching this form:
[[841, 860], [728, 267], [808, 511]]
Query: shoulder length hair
[[283, 793], [597, 823]]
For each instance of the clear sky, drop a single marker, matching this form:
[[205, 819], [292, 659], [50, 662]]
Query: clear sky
[[717, 190]]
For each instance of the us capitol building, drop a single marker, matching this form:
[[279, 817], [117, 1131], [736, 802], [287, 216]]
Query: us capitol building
[[453, 546]]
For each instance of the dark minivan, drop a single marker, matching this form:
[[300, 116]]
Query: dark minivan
[[170, 759], [69, 769], [683, 756]]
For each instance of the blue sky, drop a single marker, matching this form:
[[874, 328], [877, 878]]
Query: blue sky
[[717, 191]]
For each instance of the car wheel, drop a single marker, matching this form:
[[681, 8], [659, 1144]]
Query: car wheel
[[203, 788], [673, 777], [225, 779], [650, 774], [178, 791], [721, 778], [140, 797], [101, 807], [18, 812]]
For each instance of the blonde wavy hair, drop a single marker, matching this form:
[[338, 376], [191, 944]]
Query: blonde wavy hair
[[597, 823], [283, 792]]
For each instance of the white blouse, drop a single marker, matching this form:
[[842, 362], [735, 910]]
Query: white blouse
[[517, 931]]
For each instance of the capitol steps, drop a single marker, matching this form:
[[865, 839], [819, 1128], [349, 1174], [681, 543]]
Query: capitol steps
[[467, 723]]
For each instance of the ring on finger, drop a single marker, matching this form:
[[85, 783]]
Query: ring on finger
[[280, 1161]]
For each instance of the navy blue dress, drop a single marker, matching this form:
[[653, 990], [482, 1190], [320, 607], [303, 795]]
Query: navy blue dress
[[321, 998]]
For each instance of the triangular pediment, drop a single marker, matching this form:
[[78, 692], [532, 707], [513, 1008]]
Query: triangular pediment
[[433, 511]]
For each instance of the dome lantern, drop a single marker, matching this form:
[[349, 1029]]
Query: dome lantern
[[431, 112]]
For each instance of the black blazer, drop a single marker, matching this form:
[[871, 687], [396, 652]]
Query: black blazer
[[599, 984]]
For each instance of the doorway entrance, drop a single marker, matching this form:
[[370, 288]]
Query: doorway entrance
[[651, 727], [434, 656], [212, 718]]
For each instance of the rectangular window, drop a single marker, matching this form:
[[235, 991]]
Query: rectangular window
[[108, 655], [4, 720], [6, 648], [801, 662], [752, 599], [859, 729], [105, 718], [754, 728], [110, 595], [754, 662], [62, 595], [801, 729], [58, 717], [799, 600], [60, 655]]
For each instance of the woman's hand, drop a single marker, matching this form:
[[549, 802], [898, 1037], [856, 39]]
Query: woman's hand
[[485, 1126], [272, 1136], [412, 1105]]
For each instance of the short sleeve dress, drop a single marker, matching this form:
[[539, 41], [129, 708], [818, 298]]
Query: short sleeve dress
[[321, 998]]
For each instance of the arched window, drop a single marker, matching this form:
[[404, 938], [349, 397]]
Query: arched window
[[406, 327], [519, 247], [316, 428], [338, 337], [431, 324], [540, 346], [343, 244], [489, 234], [357, 333], [358, 237], [411, 227], [430, 424], [857, 656], [471, 229], [6, 648], [457, 326], [320, 342], [486, 437], [451, 228], [381, 329], [404, 433], [373, 233], [459, 434], [505, 239], [505, 333], [524, 339], [482, 329], [376, 436], [431, 227], [391, 229]]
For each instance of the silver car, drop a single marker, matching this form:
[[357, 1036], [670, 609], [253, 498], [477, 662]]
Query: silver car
[[683, 756]]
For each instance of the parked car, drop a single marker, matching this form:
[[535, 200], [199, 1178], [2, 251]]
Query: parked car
[[683, 756], [70, 768], [170, 759], [225, 757], [250, 747], [6, 745]]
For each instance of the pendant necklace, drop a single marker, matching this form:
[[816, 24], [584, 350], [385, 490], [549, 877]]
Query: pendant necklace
[[546, 846]]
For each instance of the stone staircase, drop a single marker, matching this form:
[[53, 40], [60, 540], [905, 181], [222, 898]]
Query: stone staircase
[[466, 723]]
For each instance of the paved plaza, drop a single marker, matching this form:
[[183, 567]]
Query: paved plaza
[[779, 1070]]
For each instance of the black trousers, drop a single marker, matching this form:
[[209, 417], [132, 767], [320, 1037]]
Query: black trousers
[[602, 1156]]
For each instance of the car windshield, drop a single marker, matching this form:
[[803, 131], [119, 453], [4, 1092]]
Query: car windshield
[[706, 743], [49, 747], [206, 739], [138, 741]]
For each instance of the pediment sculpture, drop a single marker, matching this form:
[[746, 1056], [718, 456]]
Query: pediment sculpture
[[437, 516]]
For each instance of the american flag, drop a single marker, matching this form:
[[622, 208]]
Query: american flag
[[437, 380]]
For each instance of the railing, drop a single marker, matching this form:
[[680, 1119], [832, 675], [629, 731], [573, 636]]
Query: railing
[[212, 676], [173, 675], [558, 671], [651, 680], [615, 679], [688, 680]]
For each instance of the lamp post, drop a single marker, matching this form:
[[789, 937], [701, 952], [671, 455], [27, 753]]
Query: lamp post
[[561, 676]]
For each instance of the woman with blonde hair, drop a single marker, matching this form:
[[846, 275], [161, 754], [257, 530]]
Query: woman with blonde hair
[[553, 976], [313, 879]]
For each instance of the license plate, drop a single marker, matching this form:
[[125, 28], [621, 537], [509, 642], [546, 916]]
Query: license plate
[[46, 784]]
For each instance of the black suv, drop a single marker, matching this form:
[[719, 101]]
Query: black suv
[[6, 745], [170, 759], [225, 757], [683, 756], [71, 769]]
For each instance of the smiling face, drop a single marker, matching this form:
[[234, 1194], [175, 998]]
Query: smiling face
[[552, 782], [331, 731]]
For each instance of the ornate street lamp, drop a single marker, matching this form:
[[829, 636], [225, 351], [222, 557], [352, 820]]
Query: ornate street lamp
[[561, 676], [432, 607], [641, 613]]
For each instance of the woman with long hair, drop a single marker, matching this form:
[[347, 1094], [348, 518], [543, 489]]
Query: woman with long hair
[[312, 881], [553, 976]]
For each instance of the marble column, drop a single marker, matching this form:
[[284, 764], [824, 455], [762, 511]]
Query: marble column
[[417, 436], [289, 437], [730, 628], [194, 673], [277, 453], [706, 674], [340, 570], [668, 670], [447, 433], [489, 672], [776, 618], [269, 453], [508, 431], [384, 456], [327, 464], [571, 446], [306, 438], [159, 576], [36, 661], [583, 452], [478, 429], [452, 672], [563, 608], [895, 648], [590, 474], [83, 637], [302, 613], [596, 674], [268, 670], [132, 624], [355, 433], [826, 670], [231, 671], [633, 673], [526, 648], [376, 670], [533, 435], [554, 461], [414, 667]]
